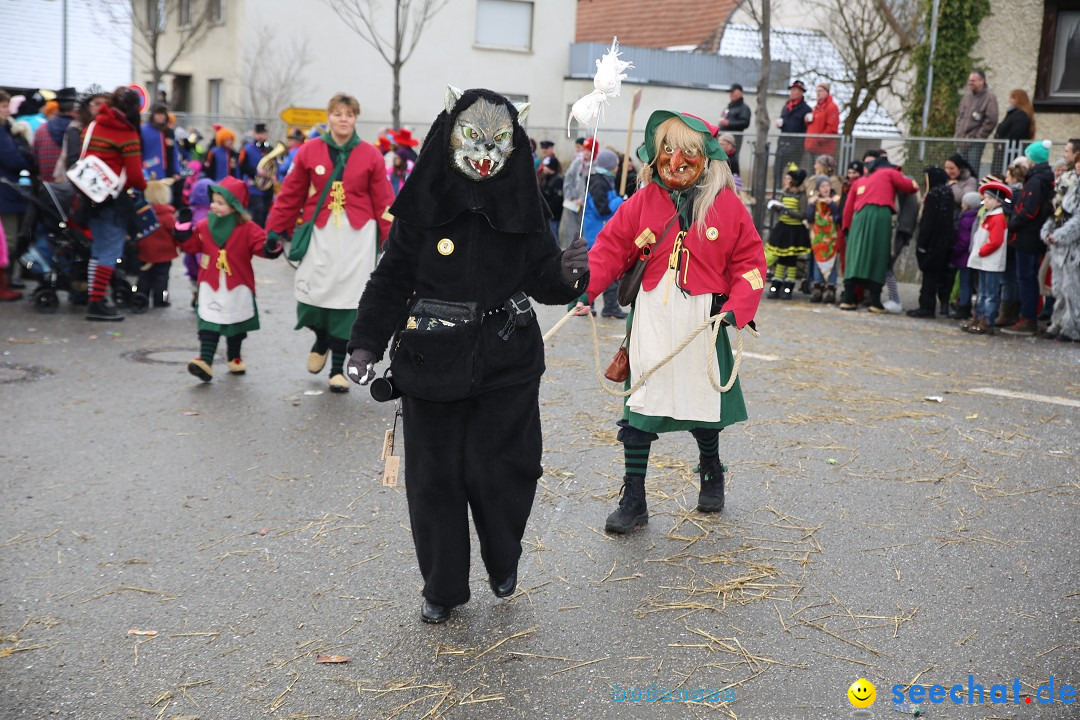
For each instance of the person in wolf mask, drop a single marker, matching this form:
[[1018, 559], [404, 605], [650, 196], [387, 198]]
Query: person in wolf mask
[[470, 244]]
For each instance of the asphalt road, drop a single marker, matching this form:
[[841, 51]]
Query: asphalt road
[[869, 532]]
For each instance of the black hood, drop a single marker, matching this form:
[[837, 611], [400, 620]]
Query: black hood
[[436, 193], [937, 176]]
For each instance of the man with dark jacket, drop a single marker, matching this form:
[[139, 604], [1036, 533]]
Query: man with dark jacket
[[49, 138], [976, 117], [792, 120], [736, 117], [1031, 210]]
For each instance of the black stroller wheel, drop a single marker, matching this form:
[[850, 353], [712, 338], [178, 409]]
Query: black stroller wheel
[[45, 300], [138, 303]]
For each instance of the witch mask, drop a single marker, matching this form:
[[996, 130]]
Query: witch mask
[[482, 139]]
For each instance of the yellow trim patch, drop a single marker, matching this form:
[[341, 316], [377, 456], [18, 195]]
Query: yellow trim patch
[[647, 237], [754, 278]]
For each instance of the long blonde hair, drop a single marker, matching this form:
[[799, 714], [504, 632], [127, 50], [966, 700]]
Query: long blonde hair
[[717, 176]]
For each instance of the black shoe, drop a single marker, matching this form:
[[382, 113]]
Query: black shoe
[[633, 511], [920, 313], [434, 614], [711, 496], [789, 290], [617, 314], [774, 290], [504, 588], [962, 312], [103, 313]]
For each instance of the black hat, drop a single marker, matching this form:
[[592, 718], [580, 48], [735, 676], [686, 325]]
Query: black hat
[[260, 127], [798, 84], [546, 144], [798, 176], [66, 98], [580, 141], [736, 86], [297, 134]]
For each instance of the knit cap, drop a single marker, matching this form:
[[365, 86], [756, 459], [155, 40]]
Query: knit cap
[[607, 160], [1038, 151], [971, 200]]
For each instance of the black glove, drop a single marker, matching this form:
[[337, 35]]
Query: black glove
[[575, 261], [360, 367], [184, 226], [273, 246]]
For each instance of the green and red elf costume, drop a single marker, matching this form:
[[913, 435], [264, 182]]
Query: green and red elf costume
[[348, 225], [698, 267], [226, 304]]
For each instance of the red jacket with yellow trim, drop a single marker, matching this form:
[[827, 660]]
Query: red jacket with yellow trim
[[878, 188], [246, 241], [733, 263], [368, 194]]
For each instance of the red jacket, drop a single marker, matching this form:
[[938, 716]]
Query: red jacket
[[878, 188], [368, 193], [158, 246], [826, 122], [118, 144], [246, 241], [733, 263]]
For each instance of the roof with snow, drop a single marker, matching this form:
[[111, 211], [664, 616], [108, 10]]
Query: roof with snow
[[813, 59]]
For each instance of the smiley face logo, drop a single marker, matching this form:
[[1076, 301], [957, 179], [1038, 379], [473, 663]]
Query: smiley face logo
[[862, 693]]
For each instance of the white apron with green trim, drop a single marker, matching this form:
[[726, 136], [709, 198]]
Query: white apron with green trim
[[336, 267], [224, 306], [680, 390]]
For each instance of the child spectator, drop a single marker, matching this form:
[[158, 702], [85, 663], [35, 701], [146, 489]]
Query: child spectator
[[600, 205], [399, 171], [965, 226], [937, 233], [988, 257], [789, 238], [199, 202], [157, 250], [824, 216], [227, 240]]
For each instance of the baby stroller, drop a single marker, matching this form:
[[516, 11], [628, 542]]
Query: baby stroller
[[59, 252]]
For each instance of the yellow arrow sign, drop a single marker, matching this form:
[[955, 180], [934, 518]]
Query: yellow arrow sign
[[303, 117]]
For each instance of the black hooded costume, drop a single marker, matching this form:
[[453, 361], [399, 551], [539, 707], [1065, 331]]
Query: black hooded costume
[[457, 251], [937, 231]]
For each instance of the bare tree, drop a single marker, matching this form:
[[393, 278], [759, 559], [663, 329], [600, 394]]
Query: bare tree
[[760, 12], [270, 73], [150, 20], [875, 39], [410, 18]]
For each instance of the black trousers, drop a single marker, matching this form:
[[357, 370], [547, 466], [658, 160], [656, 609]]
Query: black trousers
[[936, 287], [154, 281], [259, 207], [480, 454]]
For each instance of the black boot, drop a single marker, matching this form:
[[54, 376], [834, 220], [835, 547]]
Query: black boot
[[434, 614], [711, 496], [830, 295], [98, 310], [774, 289], [633, 511], [789, 290], [818, 294], [962, 312], [504, 587]]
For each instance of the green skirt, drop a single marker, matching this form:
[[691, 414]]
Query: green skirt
[[233, 329], [336, 323], [732, 407], [868, 244]]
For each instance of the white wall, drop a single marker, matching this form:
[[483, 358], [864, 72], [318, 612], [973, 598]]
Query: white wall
[[32, 55], [446, 55]]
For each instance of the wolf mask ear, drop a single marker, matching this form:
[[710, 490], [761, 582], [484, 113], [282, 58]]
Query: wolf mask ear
[[523, 111], [451, 97]]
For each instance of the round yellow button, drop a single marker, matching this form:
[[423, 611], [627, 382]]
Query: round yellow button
[[446, 246], [712, 233]]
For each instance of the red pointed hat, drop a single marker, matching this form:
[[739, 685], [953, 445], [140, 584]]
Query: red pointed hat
[[999, 190], [404, 137]]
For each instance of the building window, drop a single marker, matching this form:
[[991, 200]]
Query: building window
[[184, 10], [156, 14], [1058, 80], [504, 24], [181, 93], [214, 103], [216, 10]]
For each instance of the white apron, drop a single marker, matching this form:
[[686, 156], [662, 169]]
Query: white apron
[[336, 266], [224, 306], [681, 389]]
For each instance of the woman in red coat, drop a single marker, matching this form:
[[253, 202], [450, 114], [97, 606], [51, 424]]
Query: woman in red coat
[[348, 226], [706, 258]]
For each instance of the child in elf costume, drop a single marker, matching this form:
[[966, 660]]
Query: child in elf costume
[[226, 239], [824, 217]]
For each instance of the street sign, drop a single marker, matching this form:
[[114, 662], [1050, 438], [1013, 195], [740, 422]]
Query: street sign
[[303, 117]]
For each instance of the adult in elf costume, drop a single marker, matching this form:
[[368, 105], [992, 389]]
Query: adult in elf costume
[[340, 182], [226, 240], [470, 244], [707, 258]]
